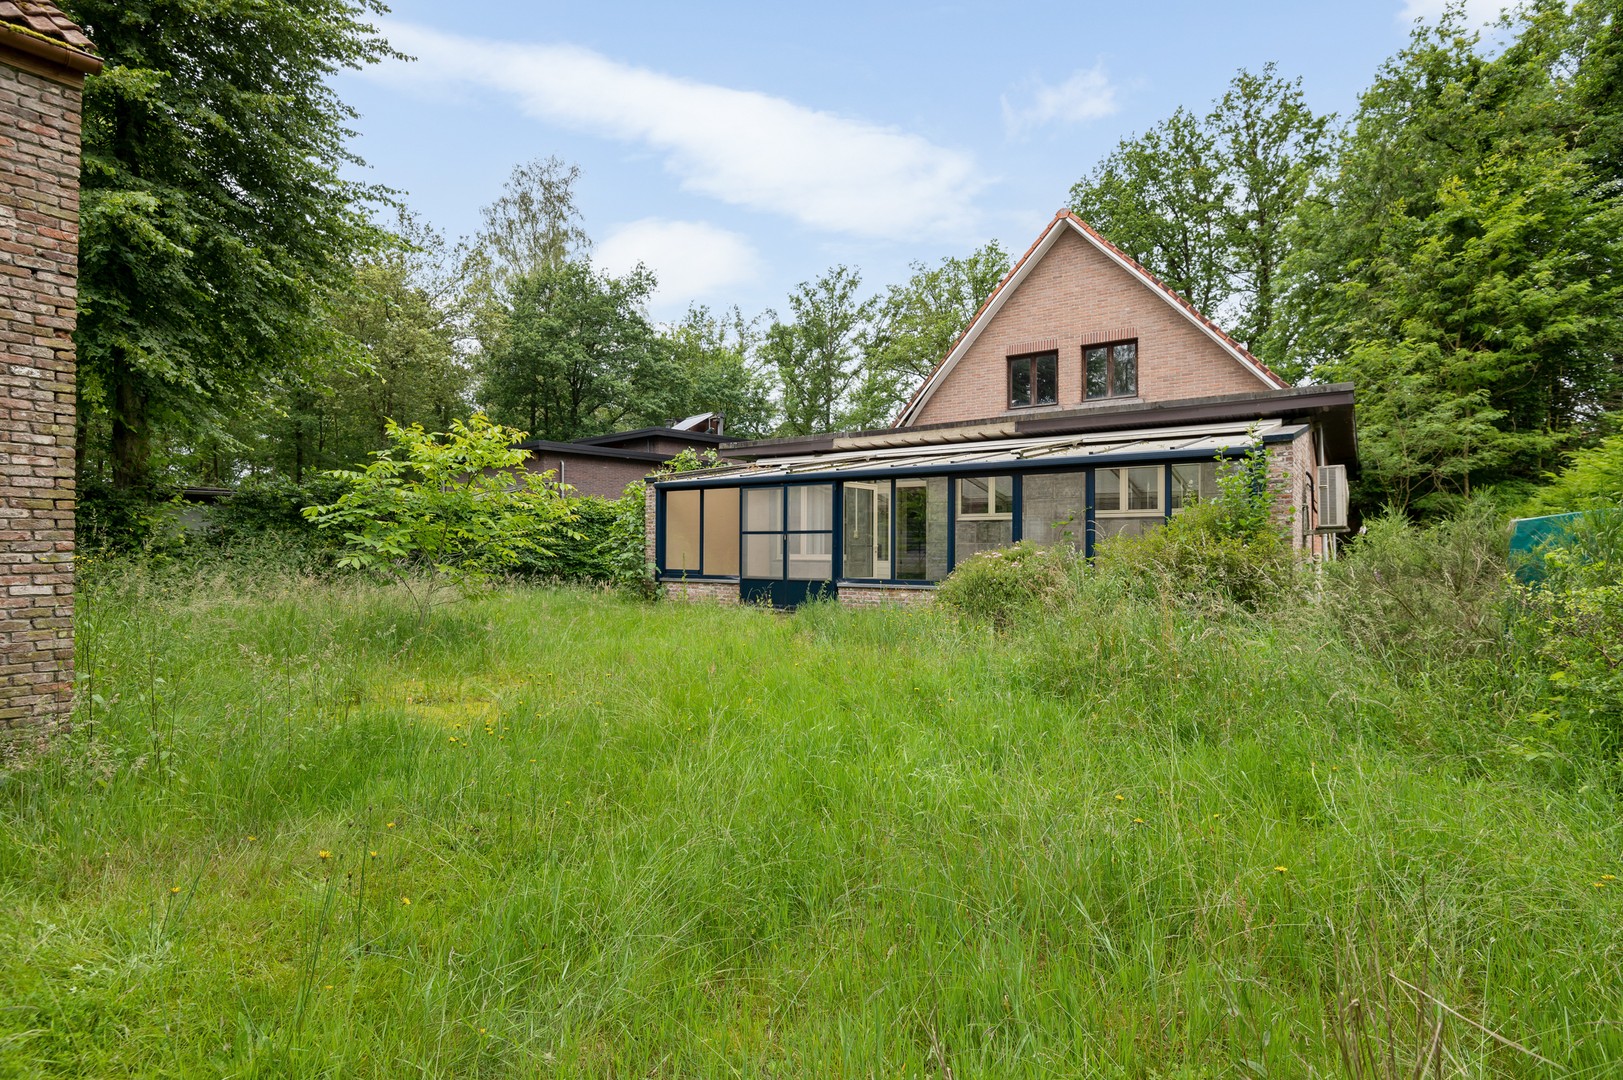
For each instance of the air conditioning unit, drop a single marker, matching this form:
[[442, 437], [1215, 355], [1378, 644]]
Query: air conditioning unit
[[1332, 498]]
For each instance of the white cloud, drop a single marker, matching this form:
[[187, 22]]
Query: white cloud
[[746, 148], [694, 260], [1477, 12], [1086, 95]]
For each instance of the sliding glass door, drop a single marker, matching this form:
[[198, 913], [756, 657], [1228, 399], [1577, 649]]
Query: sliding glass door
[[787, 543]]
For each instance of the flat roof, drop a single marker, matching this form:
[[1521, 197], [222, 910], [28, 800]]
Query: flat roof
[[1334, 403], [1081, 449]]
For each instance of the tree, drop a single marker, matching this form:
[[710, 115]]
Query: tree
[[708, 364], [1161, 197], [916, 325], [213, 212], [574, 350], [1461, 267], [1206, 203], [533, 225], [1598, 47], [818, 356], [1270, 148], [438, 510]]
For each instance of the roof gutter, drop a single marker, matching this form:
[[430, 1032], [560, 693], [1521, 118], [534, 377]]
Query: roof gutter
[[38, 45]]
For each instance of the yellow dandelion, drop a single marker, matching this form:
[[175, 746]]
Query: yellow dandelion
[[1138, 821], [1121, 798], [373, 854], [389, 826], [406, 900], [1608, 877], [324, 854], [481, 1031], [176, 889], [327, 987], [1600, 884], [532, 761], [1279, 869], [251, 839]]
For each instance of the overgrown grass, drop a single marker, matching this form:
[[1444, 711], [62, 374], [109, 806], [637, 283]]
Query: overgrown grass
[[680, 840]]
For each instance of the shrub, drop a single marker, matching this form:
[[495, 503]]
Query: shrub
[[1407, 592], [606, 545], [1232, 549], [1594, 478], [126, 521], [1576, 613], [444, 509], [1199, 556], [1000, 586]]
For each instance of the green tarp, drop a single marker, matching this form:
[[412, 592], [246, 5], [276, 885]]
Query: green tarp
[[1531, 536]]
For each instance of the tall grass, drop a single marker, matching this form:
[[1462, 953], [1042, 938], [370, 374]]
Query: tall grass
[[683, 840]]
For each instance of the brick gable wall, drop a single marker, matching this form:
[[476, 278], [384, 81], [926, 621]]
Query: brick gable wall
[[39, 228], [1075, 296]]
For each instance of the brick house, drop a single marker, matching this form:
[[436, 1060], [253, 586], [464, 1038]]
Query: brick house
[[1085, 400], [44, 59], [604, 465]]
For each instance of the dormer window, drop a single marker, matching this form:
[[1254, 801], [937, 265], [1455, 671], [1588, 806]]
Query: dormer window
[[1033, 380], [1111, 369]]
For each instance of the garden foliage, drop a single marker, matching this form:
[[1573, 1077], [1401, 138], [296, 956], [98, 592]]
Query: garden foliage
[[443, 509]]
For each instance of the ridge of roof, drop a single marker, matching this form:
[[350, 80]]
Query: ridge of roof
[[1131, 265], [44, 20]]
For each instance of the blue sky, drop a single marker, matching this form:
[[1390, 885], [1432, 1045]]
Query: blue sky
[[740, 148]]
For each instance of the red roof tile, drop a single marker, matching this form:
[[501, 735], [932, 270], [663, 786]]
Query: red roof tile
[[44, 19]]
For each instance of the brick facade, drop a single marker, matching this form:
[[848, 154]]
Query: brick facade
[[606, 477], [1075, 295], [715, 592], [40, 87]]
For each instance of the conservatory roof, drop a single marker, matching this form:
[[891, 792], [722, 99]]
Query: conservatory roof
[[1082, 449]]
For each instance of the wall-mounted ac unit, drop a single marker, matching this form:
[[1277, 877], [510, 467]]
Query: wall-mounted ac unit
[[1332, 498]]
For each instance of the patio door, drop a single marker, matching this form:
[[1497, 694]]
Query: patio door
[[787, 537]]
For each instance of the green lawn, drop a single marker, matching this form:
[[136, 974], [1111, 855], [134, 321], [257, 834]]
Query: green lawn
[[677, 840]]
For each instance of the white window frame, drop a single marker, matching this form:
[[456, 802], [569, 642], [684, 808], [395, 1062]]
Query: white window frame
[[991, 499], [1122, 493]]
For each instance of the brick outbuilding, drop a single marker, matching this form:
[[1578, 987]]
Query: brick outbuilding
[[44, 59]]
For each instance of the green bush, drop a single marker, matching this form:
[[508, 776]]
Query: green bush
[[126, 521], [607, 546], [1593, 479], [1200, 557], [1575, 612], [1233, 549], [1000, 586], [1410, 593]]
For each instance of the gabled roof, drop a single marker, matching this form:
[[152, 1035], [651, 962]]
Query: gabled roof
[[40, 28], [1034, 255]]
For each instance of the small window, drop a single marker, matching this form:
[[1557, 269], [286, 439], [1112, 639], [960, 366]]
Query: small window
[[1135, 490], [1193, 483], [1111, 370], [1033, 380], [986, 497]]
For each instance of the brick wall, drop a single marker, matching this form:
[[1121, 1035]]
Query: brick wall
[[590, 475], [1073, 297], [715, 592], [39, 226]]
